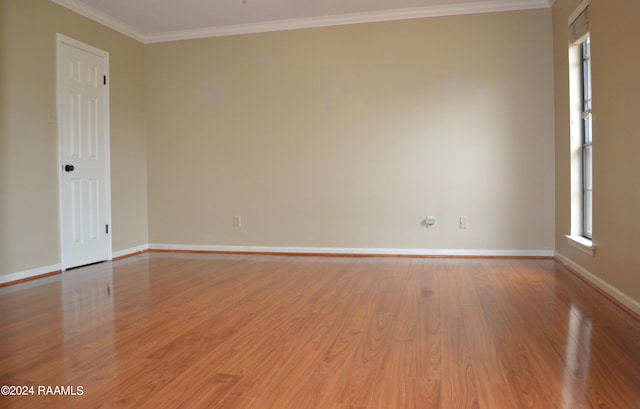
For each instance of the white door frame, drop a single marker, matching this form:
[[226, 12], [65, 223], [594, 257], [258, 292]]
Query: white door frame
[[62, 39]]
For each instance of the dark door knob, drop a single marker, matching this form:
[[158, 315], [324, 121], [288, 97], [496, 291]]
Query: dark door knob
[[68, 168]]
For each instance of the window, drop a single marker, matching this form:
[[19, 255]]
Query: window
[[587, 148], [581, 130]]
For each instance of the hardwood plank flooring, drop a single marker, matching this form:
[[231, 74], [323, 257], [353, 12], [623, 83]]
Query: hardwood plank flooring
[[163, 330]]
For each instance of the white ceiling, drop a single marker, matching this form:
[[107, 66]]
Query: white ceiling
[[167, 20]]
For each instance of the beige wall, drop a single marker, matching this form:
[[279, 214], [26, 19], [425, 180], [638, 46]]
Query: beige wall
[[616, 86], [28, 139], [349, 136], [335, 137], [332, 137]]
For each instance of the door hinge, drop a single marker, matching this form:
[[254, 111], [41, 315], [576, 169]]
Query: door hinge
[[104, 79], [107, 229]]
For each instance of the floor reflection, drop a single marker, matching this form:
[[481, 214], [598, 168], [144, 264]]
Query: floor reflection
[[88, 321], [577, 358]]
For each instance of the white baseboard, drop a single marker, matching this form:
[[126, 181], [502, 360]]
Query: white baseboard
[[612, 291], [130, 251], [355, 251], [21, 275], [301, 250]]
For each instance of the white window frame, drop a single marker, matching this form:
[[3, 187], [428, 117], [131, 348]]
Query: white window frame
[[581, 149], [587, 141]]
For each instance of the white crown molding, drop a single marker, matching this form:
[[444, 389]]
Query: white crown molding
[[293, 24], [102, 18], [354, 251], [356, 18]]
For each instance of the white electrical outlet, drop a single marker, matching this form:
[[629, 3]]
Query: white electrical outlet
[[430, 222], [237, 221], [462, 222]]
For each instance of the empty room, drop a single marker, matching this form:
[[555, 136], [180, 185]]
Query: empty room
[[333, 204]]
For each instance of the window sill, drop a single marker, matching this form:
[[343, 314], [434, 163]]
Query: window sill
[[582, 243]]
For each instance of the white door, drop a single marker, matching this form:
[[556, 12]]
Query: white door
[[84, 153]]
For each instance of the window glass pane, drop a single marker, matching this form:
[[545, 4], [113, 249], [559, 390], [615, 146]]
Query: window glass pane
[[587, 83], [586, 90], [588, 213], [587, 167], [586, 67]]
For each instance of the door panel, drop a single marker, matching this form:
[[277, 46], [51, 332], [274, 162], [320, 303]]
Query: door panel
[[84, 154]]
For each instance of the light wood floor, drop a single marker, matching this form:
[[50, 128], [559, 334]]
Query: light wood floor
[[167, 330]]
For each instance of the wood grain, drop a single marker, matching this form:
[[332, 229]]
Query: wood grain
[[168, 330]]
